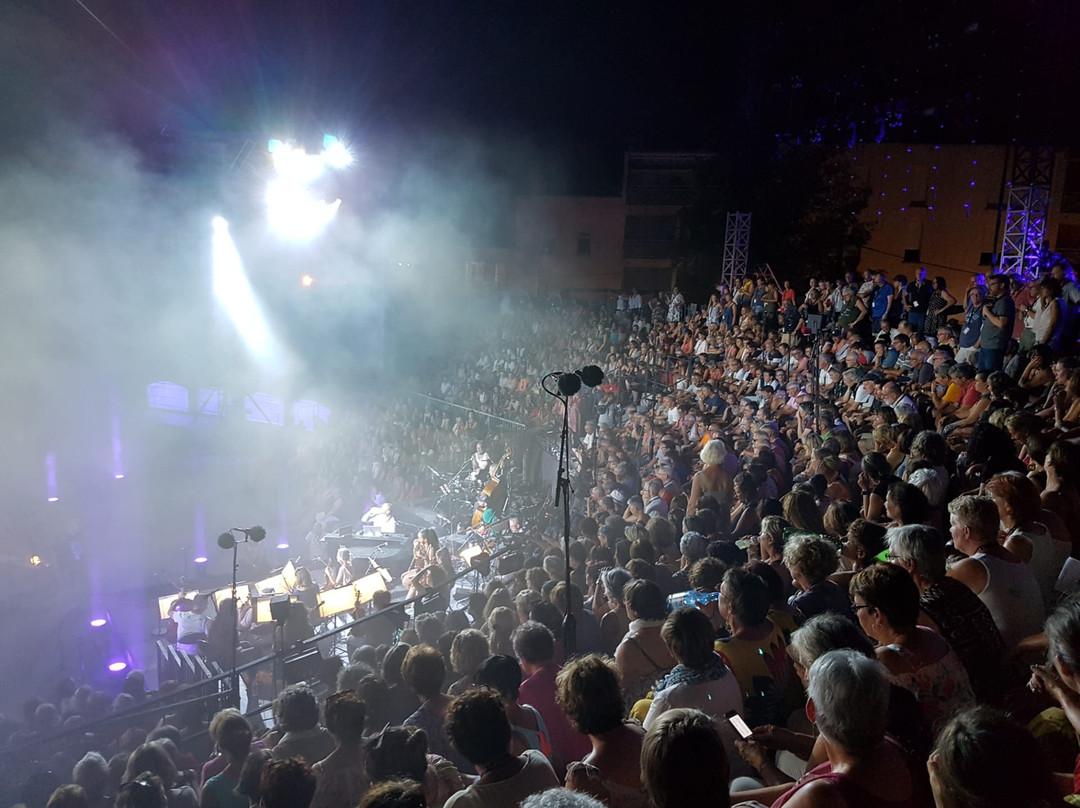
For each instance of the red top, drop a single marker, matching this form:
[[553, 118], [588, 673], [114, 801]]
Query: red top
[[539, 691]]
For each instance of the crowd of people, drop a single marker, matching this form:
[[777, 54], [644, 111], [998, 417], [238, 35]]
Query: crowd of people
[[824, 553]]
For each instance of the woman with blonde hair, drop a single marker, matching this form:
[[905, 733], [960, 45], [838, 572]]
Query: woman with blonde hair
[[468, 650], [499, 627], [713, 479]]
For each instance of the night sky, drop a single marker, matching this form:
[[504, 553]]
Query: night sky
[[575, 82]]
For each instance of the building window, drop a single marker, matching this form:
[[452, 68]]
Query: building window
[[584, 244], [476, 272], [911, 256], [548, 247]]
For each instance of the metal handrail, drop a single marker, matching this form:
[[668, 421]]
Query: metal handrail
[[168, 701]]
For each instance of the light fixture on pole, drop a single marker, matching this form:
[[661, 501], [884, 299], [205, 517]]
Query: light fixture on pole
[[568, 384], [228, 541]]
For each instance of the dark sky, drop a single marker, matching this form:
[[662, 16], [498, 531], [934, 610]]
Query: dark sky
[[576, 82]]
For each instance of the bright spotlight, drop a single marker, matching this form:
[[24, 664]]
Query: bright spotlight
[[293, 210], [234, 293], [336, 154], [200, 559], [98, 622], [117, 666], [118, 476], [306, 280], [36, 560], [219, 223], [294, 213]]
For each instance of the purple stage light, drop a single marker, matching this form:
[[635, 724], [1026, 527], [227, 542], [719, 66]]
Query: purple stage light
[[201, 559], [98, 622], [283, 545], [50, 478], [118, 476], [117, 666]]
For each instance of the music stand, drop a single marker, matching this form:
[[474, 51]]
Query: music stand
[[165, 604], [337, 601], [288, 575], [367, 586], [275, 584]]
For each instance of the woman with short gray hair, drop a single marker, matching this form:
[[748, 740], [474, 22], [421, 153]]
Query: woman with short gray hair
[[849, 702]]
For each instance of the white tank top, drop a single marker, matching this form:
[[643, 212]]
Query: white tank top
[[1012, 595]]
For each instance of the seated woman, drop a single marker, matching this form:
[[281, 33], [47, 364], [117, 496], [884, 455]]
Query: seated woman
[[424, 671], [399, 753], [340, 777], [613, 622], [982, 757], [683, 758], [478, 728], [756, 651], [774, 530], [864, 542], [468, 650], [887, 603], [503, 674], [1019, 505], [642, 657], [906, 504], [588, 691], [344, 574], [811, 560], [849, 704], [701, 680]]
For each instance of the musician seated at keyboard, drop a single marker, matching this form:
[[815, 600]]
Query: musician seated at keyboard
[[381, 518]]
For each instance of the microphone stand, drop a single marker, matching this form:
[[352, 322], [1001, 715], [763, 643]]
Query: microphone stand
[[562, 492]]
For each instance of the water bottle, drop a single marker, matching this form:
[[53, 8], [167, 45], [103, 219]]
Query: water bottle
[[691, 598]]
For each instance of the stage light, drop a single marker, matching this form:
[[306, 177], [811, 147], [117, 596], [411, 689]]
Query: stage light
[[36, 560], [118, 476], [51, 491], [294, 213], [306, 281], [201, 559], [336, 154], [234, 293], [283, 545], [98, 622], [117, 666], [226, 541]]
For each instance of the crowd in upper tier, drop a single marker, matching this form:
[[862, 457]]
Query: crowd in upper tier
[[847, 516]]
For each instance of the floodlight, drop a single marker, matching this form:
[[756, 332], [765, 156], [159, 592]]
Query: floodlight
[[337, 155]]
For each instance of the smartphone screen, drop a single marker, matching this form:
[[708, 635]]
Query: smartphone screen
[[739, 724]]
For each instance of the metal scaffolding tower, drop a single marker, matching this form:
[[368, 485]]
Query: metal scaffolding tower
[[736, 249], [1026, 211]]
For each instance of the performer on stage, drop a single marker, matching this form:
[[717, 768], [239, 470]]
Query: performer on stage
[[427, 552], [381, 517], [344, 574], [481, 463]]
